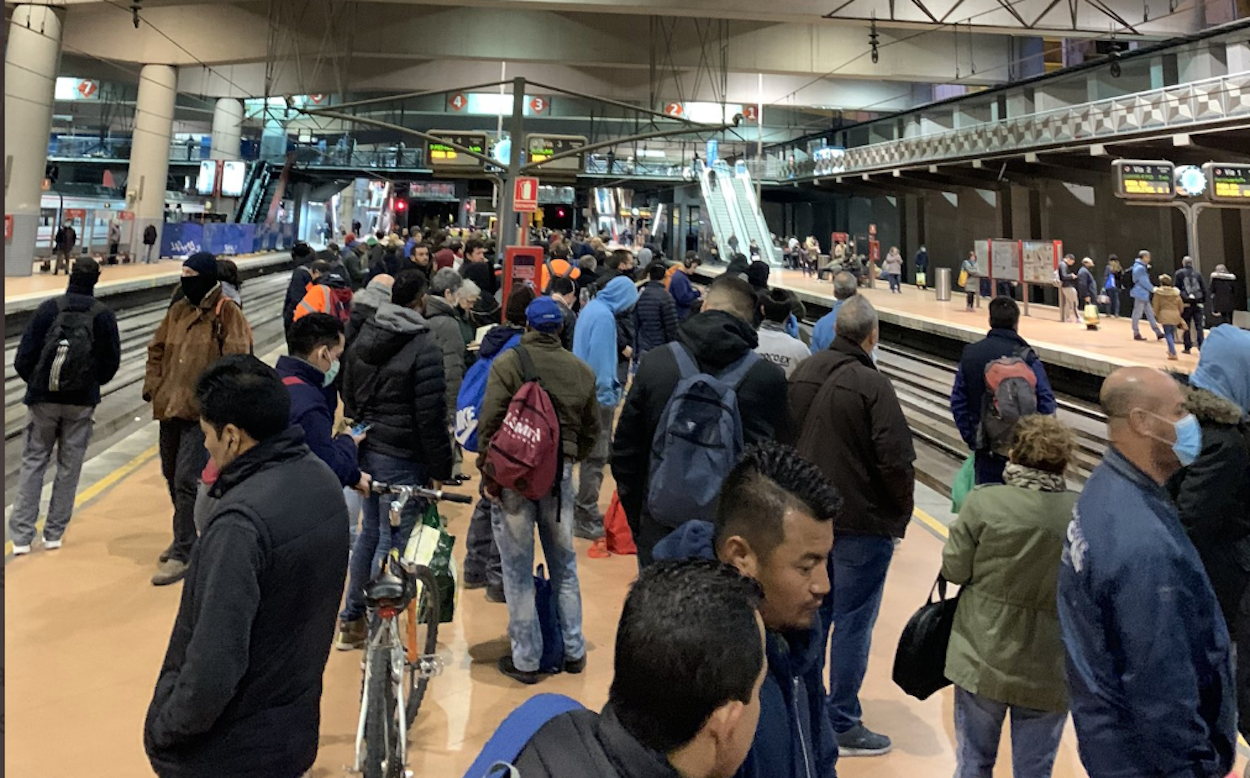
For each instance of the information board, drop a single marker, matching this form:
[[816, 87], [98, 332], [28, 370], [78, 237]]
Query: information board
[[1005, 259], [1040, 260], [982, 250], [206, 181], [442, 155], [1229, 183], [1142, 179], [233, 173], [544, 147]]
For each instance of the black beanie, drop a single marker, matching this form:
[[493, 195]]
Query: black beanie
[[203, 263], [518, 301], [757, 274], [84, 274], [301, 252]]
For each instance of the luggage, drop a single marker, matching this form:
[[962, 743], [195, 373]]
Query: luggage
[[618, 537], [516, 731], [1091, 317], [920, 661], [524, 454]]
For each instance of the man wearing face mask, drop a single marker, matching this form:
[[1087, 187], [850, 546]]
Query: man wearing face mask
[[1149, 663], [316, 345], [239, 691], [194, 334]]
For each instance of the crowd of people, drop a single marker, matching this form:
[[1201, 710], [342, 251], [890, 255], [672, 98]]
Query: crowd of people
[[763, 542]]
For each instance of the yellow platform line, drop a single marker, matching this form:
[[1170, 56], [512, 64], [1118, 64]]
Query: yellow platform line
[[99, 487]]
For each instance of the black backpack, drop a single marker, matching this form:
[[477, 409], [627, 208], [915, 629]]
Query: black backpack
[[67, 361], [1126, 277]]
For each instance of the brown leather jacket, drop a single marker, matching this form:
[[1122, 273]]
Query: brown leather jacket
[[189, 339]]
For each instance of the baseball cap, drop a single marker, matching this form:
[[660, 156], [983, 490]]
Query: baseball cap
[[544, 315]]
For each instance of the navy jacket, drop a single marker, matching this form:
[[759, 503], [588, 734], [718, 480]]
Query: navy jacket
[[655, 318], [969, 389], [1148, 662], [1086, 285], [684, 294], [107, 349], [794, 738], [312, 409]]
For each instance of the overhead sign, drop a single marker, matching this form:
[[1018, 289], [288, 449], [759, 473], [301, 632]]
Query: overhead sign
[[543, 147], [457, 101], [317, 99], [1229, 183], [443, 155], [75, 214], [1137, 179], [70, 88], [540, 105], [525, 196], [674, 109], [751, 113], [433, 191]]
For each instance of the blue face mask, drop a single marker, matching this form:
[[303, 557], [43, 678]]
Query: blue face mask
[[331, 373], [1188, 444]]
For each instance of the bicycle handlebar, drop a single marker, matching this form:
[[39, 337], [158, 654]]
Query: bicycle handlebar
[[436, 495]]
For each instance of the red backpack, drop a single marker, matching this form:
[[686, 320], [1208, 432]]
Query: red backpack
[[524, 453]]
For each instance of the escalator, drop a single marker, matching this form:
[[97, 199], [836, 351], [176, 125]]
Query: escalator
[[752, 217], [718, 194]]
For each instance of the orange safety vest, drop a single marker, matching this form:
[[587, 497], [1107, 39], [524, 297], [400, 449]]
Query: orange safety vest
[[318, 300], [560, 267]]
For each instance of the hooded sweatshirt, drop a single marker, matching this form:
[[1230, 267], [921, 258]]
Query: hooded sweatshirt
[[794, 738], [595, 340], [365, 304]]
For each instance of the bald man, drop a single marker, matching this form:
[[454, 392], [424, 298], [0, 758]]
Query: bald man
[[1148, 658]]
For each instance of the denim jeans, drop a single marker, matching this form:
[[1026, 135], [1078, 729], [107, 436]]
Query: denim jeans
[[590, 472], [183, 457], [515, 519], [1140, 307], [66, 428], [857, 569], [1193, 317], [896, 281], [1169, 334], [481, 552], [1035, 737], [354, 505], [377, 537]]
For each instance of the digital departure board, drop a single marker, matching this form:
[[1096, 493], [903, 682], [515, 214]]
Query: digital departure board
[[1138, 179], [1229, 183], [443, 155], [541, 147]]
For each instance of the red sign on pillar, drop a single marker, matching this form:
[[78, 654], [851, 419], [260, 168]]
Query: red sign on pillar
[[525, 196], [457, 101], [751, 113], [674, 109], [540, 105], [8, 227]]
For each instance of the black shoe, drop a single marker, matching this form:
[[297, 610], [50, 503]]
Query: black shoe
[[166, 554], [495, 594], [575, 666], [509, 669], [461, 479], [1159, 336], [474, 582], [1186, 351], [1138, 337]]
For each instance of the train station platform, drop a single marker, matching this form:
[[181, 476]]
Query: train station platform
[[1095, 353], [22, 294]]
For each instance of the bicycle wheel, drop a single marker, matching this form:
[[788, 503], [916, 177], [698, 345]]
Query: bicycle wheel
[[383, 758], [421, 639]]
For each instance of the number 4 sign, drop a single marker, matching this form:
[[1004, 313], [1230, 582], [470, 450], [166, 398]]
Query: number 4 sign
[[457, 102]]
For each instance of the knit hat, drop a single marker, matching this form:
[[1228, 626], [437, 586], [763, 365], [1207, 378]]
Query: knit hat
[[301, 251], [757, 274], [518, 301], [544, 315], [203, 263]]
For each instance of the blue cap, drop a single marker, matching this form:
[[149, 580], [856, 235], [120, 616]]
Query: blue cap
[[544, 315]]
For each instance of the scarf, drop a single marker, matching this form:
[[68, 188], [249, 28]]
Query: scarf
[[1030, 478]]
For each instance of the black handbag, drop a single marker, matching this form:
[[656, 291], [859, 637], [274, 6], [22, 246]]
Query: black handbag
[[920, 662]]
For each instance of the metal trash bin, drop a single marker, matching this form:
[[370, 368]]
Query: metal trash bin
[[942, 284]]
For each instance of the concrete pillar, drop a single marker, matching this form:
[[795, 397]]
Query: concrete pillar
[[149, 151], [30, 66], [1238, 56], [1205, 60], [227, 129]]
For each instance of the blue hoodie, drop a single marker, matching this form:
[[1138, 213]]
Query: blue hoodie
[[1224, 367], [594, 341], [794, 738]]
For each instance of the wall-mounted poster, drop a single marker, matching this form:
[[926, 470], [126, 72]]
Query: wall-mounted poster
[[1041, 260], [982, 249], [1005, 259]]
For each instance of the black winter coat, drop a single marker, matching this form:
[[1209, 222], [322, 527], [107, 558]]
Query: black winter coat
[[715, 339], [655, 318], [106, 348], [586, 744], [1223, 294], [852, 427], [394, 380], [1213, 498], [482, 274], [239, 692]]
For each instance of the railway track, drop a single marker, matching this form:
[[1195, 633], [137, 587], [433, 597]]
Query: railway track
[[121, 400]]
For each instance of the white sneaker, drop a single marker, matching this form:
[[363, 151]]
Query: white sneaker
[[21, 550], [52, 545]]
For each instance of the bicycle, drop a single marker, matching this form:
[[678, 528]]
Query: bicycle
[[398, 665]]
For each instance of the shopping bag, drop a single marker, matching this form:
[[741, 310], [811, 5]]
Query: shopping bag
[[1091, 316], [965, 479], [552, 659], [620, 540], [431, 545], [1104, 299], [920, 278], [963, 278], [920, 661]]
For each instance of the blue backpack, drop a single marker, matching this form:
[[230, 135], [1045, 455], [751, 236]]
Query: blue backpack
[[698, 441], [472, 392], [515, 733]]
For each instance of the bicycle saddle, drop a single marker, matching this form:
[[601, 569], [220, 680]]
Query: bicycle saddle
[[387, 585]]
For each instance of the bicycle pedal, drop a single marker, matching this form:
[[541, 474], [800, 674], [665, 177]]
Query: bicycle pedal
[[429, 666]]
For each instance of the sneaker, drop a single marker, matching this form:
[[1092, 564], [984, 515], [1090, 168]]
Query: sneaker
[[51, 544], [587, 530], [495, 594], [529, 678], [21, 550], [164, 557], [575, 666], [1173, 356], [861, 741], [352, 635], [171, 571]]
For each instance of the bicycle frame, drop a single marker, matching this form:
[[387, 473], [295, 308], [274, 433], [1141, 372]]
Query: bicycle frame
[[385, 638]]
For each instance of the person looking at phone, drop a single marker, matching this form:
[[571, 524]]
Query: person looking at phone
[[316, 344]]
